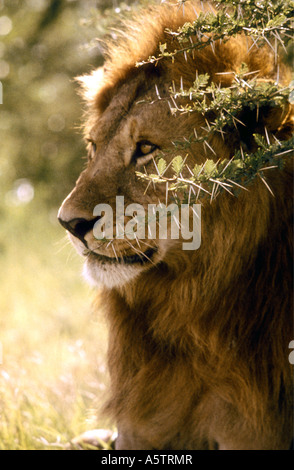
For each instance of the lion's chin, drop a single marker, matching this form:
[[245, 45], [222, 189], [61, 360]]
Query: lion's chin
[[108, 272], [110, 276]]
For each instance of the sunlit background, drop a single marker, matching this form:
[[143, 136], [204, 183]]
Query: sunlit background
[[52, 342]]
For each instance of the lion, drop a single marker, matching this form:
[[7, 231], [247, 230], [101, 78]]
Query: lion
[[198, 339]]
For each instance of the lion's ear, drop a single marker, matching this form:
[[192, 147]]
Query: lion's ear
[[278, 121]]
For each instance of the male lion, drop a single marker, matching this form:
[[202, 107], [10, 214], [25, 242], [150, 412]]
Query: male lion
[[198, 347]]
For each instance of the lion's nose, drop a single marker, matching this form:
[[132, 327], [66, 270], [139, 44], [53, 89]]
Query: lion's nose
[[79, 227]]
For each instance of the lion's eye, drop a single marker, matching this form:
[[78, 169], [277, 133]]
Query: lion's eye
[[146, 147], [143, 152]]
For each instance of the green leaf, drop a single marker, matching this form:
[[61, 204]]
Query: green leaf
[[201, 81], [260, 140], [196, 170], [162, 48], [177, 164], [277, 21], [209, 167], [161, 165]]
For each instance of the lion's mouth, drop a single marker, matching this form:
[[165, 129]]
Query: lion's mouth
[[140, 258]]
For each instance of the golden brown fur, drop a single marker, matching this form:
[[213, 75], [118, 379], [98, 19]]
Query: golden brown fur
[[198, 345]]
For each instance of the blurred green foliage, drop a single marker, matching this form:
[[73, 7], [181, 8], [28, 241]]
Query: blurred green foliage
[[44, 44]]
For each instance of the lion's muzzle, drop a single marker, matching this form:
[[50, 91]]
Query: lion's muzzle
[[79, 227]]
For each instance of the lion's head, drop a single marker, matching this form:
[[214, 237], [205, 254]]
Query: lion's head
[[131, 121], [209, 298]]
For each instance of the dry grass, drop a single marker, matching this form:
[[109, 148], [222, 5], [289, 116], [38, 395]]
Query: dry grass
[[52, 376]]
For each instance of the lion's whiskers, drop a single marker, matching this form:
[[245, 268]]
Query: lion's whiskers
[[62, 242]]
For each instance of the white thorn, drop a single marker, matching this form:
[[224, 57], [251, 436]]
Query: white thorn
[[209, 146], [157, 92], [266, 184], [267, 136]]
